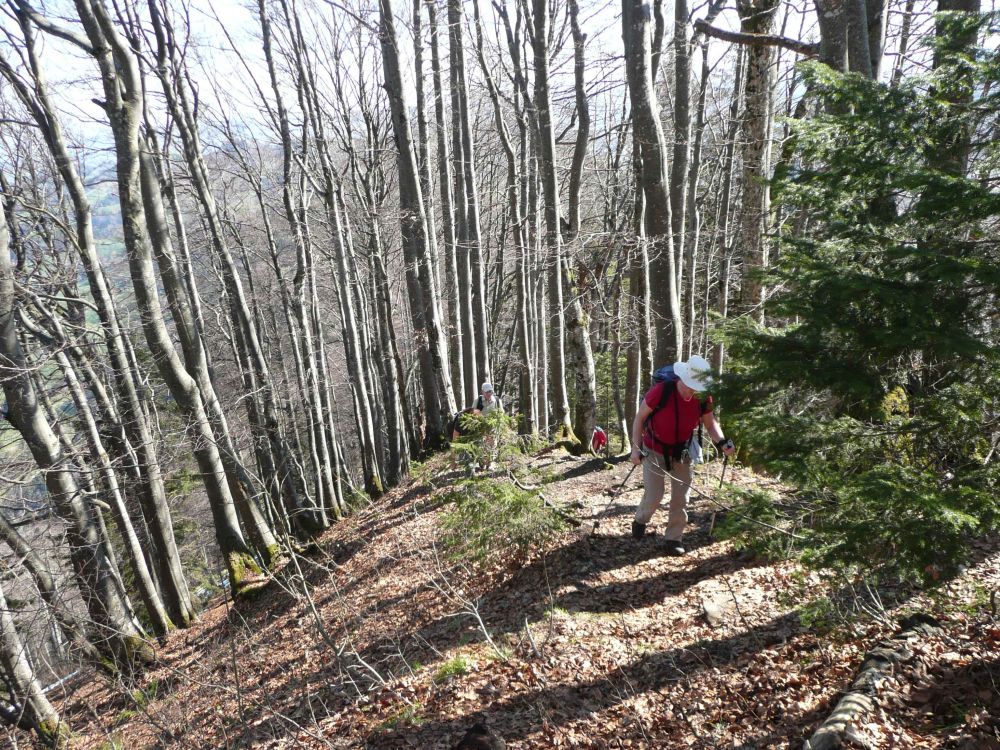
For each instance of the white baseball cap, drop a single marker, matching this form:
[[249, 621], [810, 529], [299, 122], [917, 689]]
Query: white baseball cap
[[487, 387]]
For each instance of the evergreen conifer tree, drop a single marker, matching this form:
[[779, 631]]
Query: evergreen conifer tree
[[875, 390]]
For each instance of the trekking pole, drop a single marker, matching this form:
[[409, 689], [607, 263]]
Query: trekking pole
[[722, 478], [614, 498]]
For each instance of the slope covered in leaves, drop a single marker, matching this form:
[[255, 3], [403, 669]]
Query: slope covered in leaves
[[377, 639]]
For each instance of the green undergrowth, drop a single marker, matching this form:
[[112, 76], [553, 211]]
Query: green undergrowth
[[493, 514], [454, 667], [489, 517]]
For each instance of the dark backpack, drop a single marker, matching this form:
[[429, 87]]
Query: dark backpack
[[481, 402], [456, 421]]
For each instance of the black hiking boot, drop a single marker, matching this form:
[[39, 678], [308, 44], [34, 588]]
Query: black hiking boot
[[638, 530], [673, 547]]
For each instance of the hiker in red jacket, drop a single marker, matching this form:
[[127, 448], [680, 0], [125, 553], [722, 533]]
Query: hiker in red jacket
[[600, 440], [661, 434]]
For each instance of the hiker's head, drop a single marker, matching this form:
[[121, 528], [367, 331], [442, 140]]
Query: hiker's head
[[695, 375], [487, 391]]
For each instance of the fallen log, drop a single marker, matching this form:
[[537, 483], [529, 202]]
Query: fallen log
[[860, 699]]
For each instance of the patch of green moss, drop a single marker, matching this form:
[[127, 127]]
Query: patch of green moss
[[241, 566], [410, 715], [451, 668], [54, 734]]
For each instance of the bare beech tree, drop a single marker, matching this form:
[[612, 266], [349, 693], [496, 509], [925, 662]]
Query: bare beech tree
[[138, 187], [134, 422], [116, 635], [757, 18], [651, 165], [470, 231], [439, 398], [33, 710]]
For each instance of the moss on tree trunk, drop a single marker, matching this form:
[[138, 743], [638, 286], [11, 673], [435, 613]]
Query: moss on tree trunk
[[241, 566]]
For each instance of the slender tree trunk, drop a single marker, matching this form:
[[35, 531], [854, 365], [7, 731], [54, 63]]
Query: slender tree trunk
[[393, 373], [471, 336], [106, 605], [31, 709], [904, 43], [693, 236], [665, 305], [438, 396], [877, 12], [473, 238], [756, 17], [558, 334], [580, 353], [679, 166], [423, 142], [455, 309], [583, 119], [728, 161]]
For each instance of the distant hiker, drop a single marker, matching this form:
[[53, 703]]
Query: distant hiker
[[458, 429], [599, 441], [480, 738], [488, 400], [664, 425]]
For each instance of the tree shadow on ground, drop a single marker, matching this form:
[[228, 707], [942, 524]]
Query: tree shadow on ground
[[562, 703], [582, 468], [951, 695], [559, 581]]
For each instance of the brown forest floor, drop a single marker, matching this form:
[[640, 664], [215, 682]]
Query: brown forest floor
[[620, 653]]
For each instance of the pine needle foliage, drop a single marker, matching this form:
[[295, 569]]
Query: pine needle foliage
[[487, 439], [490, 518], [875, 388]]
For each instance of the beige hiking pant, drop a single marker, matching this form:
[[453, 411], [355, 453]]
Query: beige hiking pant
[[654, 475]]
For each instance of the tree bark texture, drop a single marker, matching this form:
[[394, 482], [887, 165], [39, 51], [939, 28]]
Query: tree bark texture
[[756, 17], [432, 346], [664, 305]]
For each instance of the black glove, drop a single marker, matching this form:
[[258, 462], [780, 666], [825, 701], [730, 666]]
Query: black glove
[[724, 443]]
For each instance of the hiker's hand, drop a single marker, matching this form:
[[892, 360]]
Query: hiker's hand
[[636, 456], [726, 446]]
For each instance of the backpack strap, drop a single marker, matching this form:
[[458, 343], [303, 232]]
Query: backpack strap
[[479, 403], [667, 449], [670, 387]]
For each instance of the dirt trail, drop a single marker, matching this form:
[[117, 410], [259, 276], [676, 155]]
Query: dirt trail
[[600, 641]]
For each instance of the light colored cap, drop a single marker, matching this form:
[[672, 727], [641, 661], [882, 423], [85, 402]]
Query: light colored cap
[[487, 387], [696, 373]]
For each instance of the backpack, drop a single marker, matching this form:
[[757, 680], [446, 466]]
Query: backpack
[[667, 376], [456, 421]]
